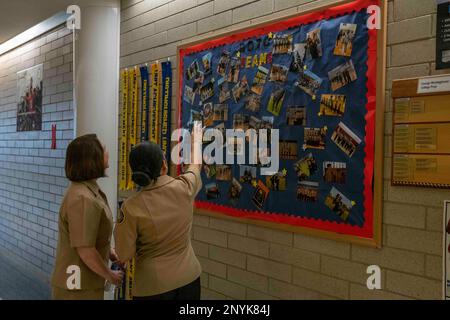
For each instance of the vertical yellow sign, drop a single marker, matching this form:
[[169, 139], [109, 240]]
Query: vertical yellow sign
[[124, 130]]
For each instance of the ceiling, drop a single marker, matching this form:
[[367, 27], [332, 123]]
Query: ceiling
[[17, 16]]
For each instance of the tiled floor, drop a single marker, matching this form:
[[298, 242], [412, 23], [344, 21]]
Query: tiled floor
[[17, 283]]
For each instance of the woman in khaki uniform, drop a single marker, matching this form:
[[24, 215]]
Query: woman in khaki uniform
[[155, 228], [85, 226]]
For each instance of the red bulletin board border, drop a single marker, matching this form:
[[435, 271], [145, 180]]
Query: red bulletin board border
[[365, 232]]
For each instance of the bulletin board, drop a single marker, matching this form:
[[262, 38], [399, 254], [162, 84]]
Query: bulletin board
[[318, 77]]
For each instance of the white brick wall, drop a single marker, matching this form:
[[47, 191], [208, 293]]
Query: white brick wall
[[244, 261], [32, 180]]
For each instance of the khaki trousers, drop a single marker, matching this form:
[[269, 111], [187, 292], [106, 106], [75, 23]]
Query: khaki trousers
[[64, 294]]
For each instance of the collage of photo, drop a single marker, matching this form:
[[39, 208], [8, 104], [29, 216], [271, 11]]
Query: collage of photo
[[210, 170], [345, 139], [207, 91], [253, 103], [309, 82], [342, 75], [233, 73], [314, 44], [247, 174], [276, 182], [332, 105], [344, 41], [307, 191], [314, 138], [222, 66], [206, 60], [208, 114], [242, 99], [288, 149], [224, 172], [298, 58], [296, 116], [224, 92], [198, 81], [234, 192], [278, 73], [282, 43], [276, 101], [334, 172], [220, 112], [305, 167], [260, 195], [260, 80], [339, 203], [240, 90]]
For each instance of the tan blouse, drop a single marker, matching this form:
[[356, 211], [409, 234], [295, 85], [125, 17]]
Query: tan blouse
[[85, 220], [156, 230]]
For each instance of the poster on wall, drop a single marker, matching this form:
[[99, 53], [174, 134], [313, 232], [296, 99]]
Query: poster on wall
[[310, 78], [443, 35], [29, 99], [446, 248]]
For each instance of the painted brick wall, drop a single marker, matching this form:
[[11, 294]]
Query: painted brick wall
[[241, 261], [32, 180]]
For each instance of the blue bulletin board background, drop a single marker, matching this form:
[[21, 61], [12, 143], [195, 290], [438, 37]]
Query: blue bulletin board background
[[283, 206]]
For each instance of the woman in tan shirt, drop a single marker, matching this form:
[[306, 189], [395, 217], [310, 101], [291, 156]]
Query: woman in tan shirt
[[156, 228], [85, 226]]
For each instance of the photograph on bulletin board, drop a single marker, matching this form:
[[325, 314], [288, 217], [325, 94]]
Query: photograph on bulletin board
[[312, 78]]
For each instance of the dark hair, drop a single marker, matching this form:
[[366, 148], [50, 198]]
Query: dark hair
[[146, 160], [85, 159]]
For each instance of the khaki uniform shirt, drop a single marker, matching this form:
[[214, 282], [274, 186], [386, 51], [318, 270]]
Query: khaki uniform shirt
[[85, 220], [156, 230]]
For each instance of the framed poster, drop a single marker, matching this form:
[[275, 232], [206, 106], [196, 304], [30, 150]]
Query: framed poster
[[29, 99], [443, 35], [446, 248], [317, 81]]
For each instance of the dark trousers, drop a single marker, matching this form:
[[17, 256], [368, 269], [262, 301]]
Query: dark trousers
[[190, 291]]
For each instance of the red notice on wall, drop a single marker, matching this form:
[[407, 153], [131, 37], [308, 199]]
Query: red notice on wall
[[53, 136]]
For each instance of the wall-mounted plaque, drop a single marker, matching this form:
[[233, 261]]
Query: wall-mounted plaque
[[421, 132]]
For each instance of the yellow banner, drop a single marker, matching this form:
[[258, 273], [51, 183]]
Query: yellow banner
[[155, 102], [130, 279], [133, 110], [144, 103], [124, 129], [159, 105]]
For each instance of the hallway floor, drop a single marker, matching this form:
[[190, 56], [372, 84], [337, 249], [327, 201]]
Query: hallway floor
[[18, 283]]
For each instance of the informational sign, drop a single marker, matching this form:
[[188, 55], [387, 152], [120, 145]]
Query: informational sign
[[446, 253], [443, 35], [422, 138], [422, 109], [421, 152], [435, 84]]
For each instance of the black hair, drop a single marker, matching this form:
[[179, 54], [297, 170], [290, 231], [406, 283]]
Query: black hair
[[146, 161]]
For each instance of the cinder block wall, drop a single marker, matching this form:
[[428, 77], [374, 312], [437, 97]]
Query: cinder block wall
[[32, 179], [241, 261]]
